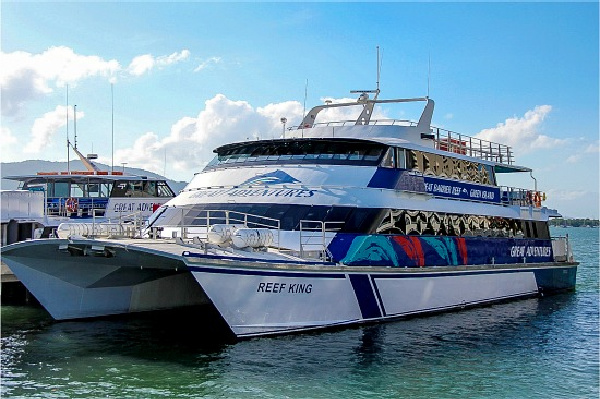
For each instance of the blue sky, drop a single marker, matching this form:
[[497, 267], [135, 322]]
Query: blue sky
[[188, 77]]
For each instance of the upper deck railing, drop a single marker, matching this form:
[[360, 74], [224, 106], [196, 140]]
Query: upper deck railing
[[444, 140], [447, 140]]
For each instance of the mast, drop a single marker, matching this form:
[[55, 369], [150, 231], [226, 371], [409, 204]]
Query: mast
[[365, 115], [112, 130], [68, 143], [90, 166], [75, 124]]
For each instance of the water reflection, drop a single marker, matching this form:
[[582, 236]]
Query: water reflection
[[174, 357]]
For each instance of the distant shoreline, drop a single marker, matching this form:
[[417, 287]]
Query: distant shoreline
[[574, 222]]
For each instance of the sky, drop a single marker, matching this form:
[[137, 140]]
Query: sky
[[160, 85]]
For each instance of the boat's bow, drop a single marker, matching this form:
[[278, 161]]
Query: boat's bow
[[89, 278]]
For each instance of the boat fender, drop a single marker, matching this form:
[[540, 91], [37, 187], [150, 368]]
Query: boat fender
[[253, 238], [221, 233]]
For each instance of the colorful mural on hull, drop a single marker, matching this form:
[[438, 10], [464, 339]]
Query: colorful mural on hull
[[420, 251]]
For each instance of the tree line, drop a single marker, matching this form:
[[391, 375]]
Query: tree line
[[574, 222]]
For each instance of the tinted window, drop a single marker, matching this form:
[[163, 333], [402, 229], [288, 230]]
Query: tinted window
[[300, 151]]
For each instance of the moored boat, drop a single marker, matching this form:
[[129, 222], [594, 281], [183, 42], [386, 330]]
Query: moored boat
[[334, 224]]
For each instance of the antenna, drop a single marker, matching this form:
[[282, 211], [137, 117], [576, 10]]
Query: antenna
[[304, 109], [378, 69], [376, 91], [365, 116], [428, 74], [68, 143], [112, 130], [75, 123]]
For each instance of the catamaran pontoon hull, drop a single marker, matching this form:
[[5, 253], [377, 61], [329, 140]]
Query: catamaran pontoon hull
[[262, 301], [75, 280], [258, 293]]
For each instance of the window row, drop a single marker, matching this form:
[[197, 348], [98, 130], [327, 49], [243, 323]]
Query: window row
[[439, 165], [380, 221], [300, 150], [447, 224], [121, 188]]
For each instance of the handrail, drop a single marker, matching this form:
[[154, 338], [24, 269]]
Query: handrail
[[561, 249], [521, 196], [444, 140], [210, 217], [447, 140], [317, 226]]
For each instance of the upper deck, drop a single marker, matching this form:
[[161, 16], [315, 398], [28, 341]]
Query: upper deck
[[421, 133]]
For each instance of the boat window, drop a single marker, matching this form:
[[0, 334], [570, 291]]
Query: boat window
[[96, 190], [400, 158], [300, 151], [120, 189], [388, 158], [164, 190], [449, 167], [149, 189], [61, 189], [78, 190]]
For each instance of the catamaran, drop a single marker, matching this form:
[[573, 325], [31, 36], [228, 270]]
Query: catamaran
[[335, 223], [89, 196]]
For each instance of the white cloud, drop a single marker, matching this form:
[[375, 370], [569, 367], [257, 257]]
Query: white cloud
[[574, 203], [145, 63], [336, 114], [46, 126], [204, 64], [6, 136], [191, 141], [522, 133], [173, 58], [567, 195], [141, 64], [593, 148], [25, 76]]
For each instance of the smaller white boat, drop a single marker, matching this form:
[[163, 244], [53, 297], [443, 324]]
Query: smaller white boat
[[90, 196]]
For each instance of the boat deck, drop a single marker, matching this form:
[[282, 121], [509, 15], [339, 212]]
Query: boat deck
[[195, 254]]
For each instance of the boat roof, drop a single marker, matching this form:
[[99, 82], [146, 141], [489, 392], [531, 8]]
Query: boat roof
[[87, 177], [387, 141]]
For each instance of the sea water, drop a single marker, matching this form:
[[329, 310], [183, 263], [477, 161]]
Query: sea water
[[535, 348]]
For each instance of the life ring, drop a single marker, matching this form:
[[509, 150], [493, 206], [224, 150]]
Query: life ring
[[72, 205], [529, 197], [537, 199]]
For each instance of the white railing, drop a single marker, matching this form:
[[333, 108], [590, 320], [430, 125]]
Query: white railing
[[561, 249], [197, 227], [522, 196], [447, 140], [313, 234]]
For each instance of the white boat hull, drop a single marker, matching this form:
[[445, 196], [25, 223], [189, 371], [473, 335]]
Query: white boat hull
[[262, 302], [257, 293], [75, 287]]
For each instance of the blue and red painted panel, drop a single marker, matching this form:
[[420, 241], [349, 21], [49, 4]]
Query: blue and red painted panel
[[421, 251]]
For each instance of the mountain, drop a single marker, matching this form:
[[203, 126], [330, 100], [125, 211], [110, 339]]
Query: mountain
[[32, 167]]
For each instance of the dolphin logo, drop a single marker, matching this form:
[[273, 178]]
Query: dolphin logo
[[277, 177]]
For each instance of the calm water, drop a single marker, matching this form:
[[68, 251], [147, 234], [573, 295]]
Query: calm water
[[535, 348]]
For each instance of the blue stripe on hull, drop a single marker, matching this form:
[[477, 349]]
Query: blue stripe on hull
[[545, 279], [367, 302]]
